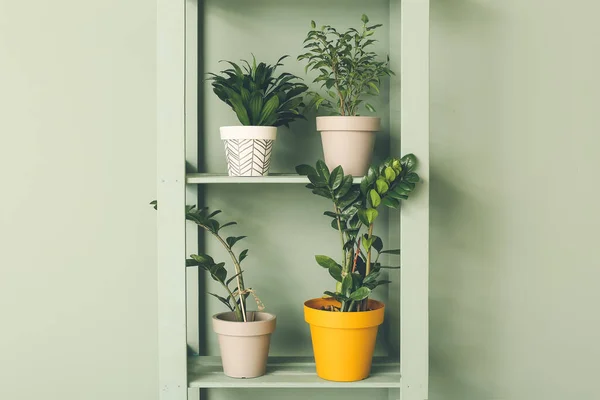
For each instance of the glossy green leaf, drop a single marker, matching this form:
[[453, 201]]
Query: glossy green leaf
[[346, 284], [378, 244], [336, 272], [360, 294], [412, 178], [243, 255], [323, 170], [337, 177], [326, 262], [381, 186], [393, 252], [222, 300], [390, 202], [375, 198], [409, 161], [390, 174], [232, 240]]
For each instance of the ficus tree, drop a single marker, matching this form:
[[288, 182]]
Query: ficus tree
[[348, 70], [235, 298], [355, 211]]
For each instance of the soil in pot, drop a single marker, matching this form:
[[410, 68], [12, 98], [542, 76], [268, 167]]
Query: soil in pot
[[343, 342], [244, 345]]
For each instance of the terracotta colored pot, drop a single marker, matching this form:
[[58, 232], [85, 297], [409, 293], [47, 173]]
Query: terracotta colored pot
[[343, 342], [248, 149], [349, 142], [244, 345]]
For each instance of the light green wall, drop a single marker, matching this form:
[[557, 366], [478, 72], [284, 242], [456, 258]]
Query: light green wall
[[514, 224], [514, 259], [77, 169]]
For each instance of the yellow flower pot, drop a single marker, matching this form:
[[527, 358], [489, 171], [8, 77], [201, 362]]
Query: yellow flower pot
[[343, 342]]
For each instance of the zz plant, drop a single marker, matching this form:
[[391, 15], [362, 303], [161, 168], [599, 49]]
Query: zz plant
[[348, 70], [257, 95], [355, 211], [235, 299]]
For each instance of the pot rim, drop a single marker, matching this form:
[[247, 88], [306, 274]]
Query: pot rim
[[237, 132], [270, 318], [235, 328], [343, 320], [349, 123]]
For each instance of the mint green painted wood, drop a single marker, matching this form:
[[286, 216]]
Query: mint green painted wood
[[288, 372], [171, 195], [205, 178], [414, 317]]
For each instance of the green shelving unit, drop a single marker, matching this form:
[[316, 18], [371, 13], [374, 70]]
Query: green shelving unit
[[282, 219]]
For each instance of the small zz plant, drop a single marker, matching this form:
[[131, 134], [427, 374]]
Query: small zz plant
[[236, 297], [355, 210]]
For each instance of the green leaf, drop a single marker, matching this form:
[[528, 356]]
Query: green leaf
[[382, 186], [227, 224], [371, 277], [367, 242], [360, 294], [367, 216], [337, 177], [370, 107], [395, 252], [218, 273], [233, 277], [203, 259], [371, 175], [305, 170], [390, 202], [375, 198], [349, 198], [268, 109], [336, 272], [313, 25], [412, 178], [373, 86], [344, 187], [323, 170], [346, 284], [378, 244], [364, 19], [327, 262], [256, 107], [222, 300], [409, 161], [212, 214], [231, 240], [390, 174], [322, 192], [243, 255]]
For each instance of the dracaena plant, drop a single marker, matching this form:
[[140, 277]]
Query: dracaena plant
[[355, 211], [257, 95], [235, 298], [348, 70]]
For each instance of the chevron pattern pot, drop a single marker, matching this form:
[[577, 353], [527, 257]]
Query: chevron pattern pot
[[248, 149]]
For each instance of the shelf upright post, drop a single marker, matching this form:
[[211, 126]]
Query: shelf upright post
[[171, 198], [414, 307]]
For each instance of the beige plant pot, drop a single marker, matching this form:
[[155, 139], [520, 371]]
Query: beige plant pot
[[244, 345], [349, 142]]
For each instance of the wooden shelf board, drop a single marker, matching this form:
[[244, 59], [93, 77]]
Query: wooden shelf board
[[223, 178], [205, 178], [288, 372]]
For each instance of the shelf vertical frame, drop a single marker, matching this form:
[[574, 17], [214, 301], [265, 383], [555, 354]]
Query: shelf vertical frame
[[171, 45], [414, 304]]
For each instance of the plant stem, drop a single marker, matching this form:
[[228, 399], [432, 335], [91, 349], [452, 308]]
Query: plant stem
[[368, 267], [238, 270], [352, 305], [238, 312], [339, 224]]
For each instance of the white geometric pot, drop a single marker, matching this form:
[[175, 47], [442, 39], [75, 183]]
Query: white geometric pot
[[348, 141], [248, 149]]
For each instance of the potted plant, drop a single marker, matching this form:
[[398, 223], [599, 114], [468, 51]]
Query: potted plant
[[262, 101], [348, 72], [344, 324], [244, 336]]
